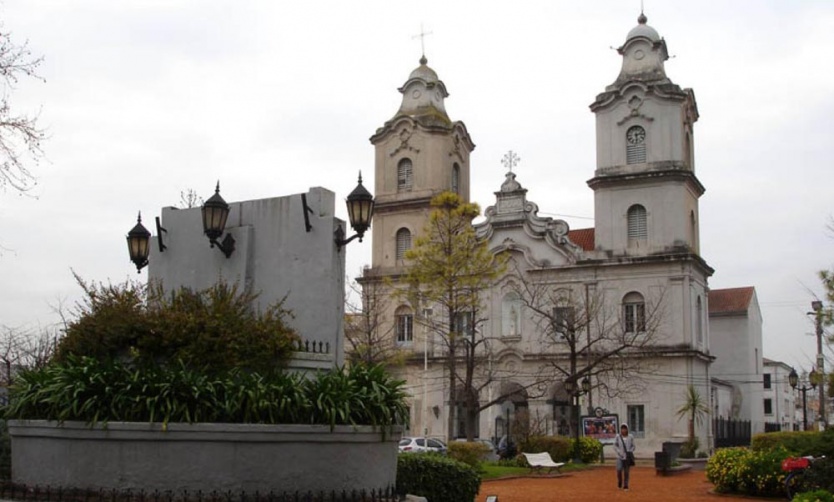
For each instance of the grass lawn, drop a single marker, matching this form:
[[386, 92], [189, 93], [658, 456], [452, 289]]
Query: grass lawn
[[491, 470]]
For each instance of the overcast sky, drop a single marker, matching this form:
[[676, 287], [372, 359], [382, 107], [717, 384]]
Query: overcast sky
[[145, 99]]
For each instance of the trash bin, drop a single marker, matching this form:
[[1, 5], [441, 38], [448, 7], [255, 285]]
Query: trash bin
[[662, 461], [673, 449]]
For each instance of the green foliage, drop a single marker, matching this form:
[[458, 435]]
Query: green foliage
[[799, 443], [589, 450], [558, 447], [689, 449], [725, 469], [469, 453], [437, 478], [93, 391], [217, 328], [821, 474], [516, 461], [495, 470], [814, 496], [748, 472], [696, 410]]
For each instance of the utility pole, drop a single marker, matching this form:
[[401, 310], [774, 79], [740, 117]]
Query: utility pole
[[816, 306]]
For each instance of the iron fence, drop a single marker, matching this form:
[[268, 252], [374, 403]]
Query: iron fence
[[730, 432], [10, 491]]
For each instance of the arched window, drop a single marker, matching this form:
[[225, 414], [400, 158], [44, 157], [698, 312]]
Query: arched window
[[404, 175], [634, 313], [511, 315], [456, 178], [637, 228], [403, 242], [636, 145], [405, 325]]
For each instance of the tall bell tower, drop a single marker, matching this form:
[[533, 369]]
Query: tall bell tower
[[420, 152], [645, 189]]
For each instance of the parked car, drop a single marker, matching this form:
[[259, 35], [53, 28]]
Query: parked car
[[418, 444]]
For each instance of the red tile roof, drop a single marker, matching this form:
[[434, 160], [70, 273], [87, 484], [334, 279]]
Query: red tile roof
[[732, 300], [584, 238]]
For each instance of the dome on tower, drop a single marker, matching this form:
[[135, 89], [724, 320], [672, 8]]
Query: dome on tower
[[643, 30], [423, 72], [423, 95]]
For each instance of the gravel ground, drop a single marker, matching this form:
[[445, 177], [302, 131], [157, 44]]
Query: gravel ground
[[600, 484]]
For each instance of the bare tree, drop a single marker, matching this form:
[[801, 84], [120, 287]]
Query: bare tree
[[370, 338], [586, 337], [189, 199], [20, 136], [25, 349]]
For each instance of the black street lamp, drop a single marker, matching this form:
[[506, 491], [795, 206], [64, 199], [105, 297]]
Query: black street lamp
[[215, 213], [360, 207], [574, 391], [793, 379], [139, 244]]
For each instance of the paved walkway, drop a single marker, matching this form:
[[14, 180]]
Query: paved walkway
[[600, 484]]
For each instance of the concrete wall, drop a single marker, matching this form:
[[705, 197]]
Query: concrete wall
[[736, 340], [203, 457], [274, 256]]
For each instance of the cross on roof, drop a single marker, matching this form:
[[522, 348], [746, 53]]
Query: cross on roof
[[510, 160], [422, 36]]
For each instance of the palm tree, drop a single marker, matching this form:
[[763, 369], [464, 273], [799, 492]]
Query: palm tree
[[694, 408]]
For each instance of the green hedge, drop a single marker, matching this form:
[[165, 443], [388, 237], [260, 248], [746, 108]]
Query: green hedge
[[797, 442], [469, 453], [90, 390], [589, 450], [559, 447], [814, 496], [437, 478]]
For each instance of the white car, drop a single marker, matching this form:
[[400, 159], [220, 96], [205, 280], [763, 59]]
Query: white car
[[418, 444]]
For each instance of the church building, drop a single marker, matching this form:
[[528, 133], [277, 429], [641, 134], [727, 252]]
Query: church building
[[602, 321]]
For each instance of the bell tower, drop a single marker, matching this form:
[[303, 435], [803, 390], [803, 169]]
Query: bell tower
[[645, 189], [420, 152]]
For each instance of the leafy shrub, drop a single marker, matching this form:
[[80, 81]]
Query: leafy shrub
[[821, 474], [590, 450], [558, 447], [217, 328], [689, 449], [90, 390], [516, 461], [764, 475], [741, 470], [469, 453], [726, 469], [439, 479], [798, 443], [814, 496]]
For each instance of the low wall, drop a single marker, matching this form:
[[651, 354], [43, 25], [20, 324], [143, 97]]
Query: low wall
[[207, 457]]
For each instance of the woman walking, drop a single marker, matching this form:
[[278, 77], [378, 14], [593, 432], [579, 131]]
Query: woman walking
[[624, 448]]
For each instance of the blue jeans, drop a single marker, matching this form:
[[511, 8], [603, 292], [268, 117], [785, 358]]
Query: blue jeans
[[622, 473]]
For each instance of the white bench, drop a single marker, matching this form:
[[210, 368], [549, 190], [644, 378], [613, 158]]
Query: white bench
[[537, 461]]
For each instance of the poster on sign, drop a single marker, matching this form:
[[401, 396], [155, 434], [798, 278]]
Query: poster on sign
[[602, 427]]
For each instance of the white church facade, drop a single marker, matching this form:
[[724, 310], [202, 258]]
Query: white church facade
[[621, 309]]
